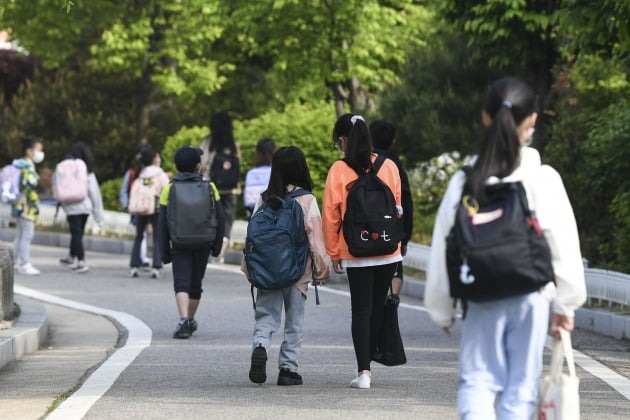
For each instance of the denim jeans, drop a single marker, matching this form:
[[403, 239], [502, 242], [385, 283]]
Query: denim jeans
[[268, 316]]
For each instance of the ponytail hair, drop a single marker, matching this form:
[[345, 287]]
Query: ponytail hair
[[508, 103], [359, 147]]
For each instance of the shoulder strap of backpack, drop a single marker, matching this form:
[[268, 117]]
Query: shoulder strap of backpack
[[298, 192], [376, 166]]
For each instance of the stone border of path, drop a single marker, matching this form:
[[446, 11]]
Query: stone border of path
[[27, 334]]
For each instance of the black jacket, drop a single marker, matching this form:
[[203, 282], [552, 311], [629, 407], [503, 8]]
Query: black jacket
[[164, 235], [407, 203]]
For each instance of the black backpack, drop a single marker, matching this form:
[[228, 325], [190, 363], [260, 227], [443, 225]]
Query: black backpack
[[498, 249], [371, 225], [225, 171], [192, 213]]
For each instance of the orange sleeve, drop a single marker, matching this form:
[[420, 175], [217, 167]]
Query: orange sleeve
[[393, 180], [332, 217]]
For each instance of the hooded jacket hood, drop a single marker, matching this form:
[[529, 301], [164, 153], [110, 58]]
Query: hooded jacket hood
[[151, 171]]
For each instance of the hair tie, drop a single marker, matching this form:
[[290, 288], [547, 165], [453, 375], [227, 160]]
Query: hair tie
[[356, 118], [507, 104]]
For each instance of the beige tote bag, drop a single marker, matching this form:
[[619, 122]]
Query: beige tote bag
[[559, 398]]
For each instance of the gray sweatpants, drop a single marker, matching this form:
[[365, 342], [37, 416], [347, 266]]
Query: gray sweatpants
[[22, 242], [268, 316]]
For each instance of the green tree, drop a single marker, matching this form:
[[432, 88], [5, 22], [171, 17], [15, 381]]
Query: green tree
[[165, 45], [347, 51]]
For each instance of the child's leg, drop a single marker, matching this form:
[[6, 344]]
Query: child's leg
[[16, 242], [26, 230], [268, 316], [293, 326], [182, 279], [199, 264]]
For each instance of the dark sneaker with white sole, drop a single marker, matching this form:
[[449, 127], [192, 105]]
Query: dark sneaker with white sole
[[258, 370], [182, 330], [286, 377]]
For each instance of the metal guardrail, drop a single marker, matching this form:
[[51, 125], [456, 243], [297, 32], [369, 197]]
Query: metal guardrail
[[603, 285]]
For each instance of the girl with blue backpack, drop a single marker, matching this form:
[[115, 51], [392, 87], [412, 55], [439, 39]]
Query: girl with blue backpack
[[289, 178]]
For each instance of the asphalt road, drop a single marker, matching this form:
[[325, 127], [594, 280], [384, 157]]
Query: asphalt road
[[205, 377]]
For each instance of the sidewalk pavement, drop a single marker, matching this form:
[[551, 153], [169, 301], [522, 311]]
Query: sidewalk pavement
[[27, 334], [76, 343]]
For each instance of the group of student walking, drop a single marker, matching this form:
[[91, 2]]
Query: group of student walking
[[503, 334]]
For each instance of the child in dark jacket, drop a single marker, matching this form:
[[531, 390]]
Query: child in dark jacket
[[189, 264]]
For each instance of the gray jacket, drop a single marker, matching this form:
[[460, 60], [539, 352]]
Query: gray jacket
[[92, 204]]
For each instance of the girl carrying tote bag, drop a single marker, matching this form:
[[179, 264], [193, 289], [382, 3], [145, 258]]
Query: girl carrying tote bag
[[559, 397]]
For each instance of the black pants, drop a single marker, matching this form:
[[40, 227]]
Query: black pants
[[77, 229], [141, 225], [368, 290], [189, 267], [228, 201]]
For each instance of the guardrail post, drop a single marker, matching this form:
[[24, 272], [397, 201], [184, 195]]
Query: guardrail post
[[7, 307]]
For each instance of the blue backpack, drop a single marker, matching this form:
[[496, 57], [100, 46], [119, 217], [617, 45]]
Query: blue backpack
[[276, 247]]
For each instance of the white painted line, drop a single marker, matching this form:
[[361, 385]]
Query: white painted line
[[96, 385], [619, 383]]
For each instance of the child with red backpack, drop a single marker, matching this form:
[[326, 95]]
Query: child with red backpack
[[76, 188]]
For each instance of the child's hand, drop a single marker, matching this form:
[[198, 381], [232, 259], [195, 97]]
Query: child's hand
[[337, 266]]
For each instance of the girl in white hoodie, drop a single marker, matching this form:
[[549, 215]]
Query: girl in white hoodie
[[503, 339]]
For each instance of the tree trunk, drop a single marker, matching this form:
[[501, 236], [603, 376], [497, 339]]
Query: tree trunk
[[143, 96], [341, 96]]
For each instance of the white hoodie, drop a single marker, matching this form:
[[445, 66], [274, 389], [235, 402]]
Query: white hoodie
[[547, 196]]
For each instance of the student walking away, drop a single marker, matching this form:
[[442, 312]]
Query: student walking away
[[257, 178], [505, 242], [123, 197], [281, 266], [76, 188], [26, 208], [190, 229], [143, 203], [221, 164], [383, 135], [362, 231]]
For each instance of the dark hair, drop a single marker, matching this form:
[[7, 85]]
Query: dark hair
[[264, 152], [221, 136], [288, 167], [28, 142], [508, 103], [82, 151], [359, 146], [147, 154], [383, 134]]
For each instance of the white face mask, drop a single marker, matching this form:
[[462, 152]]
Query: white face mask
[[38, 157], [530, 137]]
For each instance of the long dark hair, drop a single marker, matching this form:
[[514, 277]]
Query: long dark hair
[[147, 155], [82, 151], [288, 167], [264, 152], [221, 136], [359, 147], [508, 103]]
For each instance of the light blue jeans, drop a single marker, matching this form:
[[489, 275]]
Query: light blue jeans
[[501, 353], [22, 242], [268, 316]]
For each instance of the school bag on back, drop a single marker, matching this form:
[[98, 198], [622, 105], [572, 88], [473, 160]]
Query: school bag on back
[[10, 184], [143, 197], [371, 225], [276, 247], [70, 181], [497, 249], [192, 214], [225, 171]]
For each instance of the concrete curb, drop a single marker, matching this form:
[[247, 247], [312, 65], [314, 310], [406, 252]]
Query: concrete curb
[[27, 334]]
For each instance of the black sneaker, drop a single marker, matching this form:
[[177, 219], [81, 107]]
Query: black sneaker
[[193, 326], [258, 370], [182, 330], [286, 377]]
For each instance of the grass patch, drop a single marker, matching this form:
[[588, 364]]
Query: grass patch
[[414, 273]]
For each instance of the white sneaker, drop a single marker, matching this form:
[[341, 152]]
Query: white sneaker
[[80, 267], [28, 269], [362, 381], [133, 272], [155, 273]]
